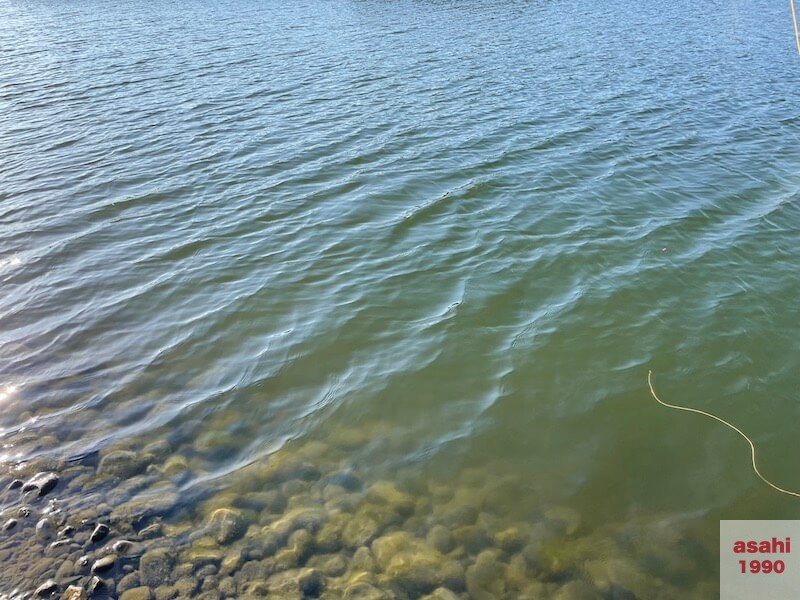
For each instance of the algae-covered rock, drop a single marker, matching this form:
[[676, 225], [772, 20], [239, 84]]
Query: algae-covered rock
[[385, 492], [346, 480], [329, 537], [486, 576], [579, 590], [155, 567], [265, 544], [138, 593], [186, 586], [201, 554], [130, 581], [215, 444], [295, 583], [440, 538], [456, 515], [360, 531], [226, 525], [285, 467], [332, 565], [363, 560], [157, 501], [232, 561], [619, 574], [565, 557], [299, 547], [175, 466], [123, 463], [517, 572], [567, 521], [472, 538], [441, 594], [512, 539], [414, 565], [362, 590], [310, 519], [270, 501]]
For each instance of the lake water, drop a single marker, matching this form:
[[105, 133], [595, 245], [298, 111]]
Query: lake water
[[422, 252]]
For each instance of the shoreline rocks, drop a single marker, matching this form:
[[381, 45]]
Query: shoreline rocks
[[300, 524]]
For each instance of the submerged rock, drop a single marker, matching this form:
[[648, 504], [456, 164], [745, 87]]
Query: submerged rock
[[100, 532], [96, 585], [10, 524], [226, 525], [385, 492], [486, 576], [122, 463], [43, 482], [302, 583], [138, 593], [415, 566], [47, 589], [155, 567], [74, 592], [104, 564], [442, 594], [365, 591]]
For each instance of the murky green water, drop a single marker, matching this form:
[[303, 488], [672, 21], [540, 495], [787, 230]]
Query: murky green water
[[384, 281]]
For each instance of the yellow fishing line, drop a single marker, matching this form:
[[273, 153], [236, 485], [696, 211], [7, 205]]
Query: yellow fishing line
[[724, 422], [794, 20]]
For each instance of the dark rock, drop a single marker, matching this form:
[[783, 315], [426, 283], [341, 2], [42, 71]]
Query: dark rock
[[130, 581], [10, 524], [100, 532], [16, 484], [67, 532], [43, 482], [104, 564], [47, 589], [96, 586]]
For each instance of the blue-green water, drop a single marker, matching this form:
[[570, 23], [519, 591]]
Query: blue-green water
[[448, 239]]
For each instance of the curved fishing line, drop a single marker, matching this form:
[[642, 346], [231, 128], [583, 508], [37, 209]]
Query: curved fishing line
[[794, 21], [724, 422]]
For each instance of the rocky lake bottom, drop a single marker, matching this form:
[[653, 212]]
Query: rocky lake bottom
[[133, 523]]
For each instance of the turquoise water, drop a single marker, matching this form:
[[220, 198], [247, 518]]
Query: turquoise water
[[447, 239]]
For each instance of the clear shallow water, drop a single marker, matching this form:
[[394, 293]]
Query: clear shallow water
[[468, 229]]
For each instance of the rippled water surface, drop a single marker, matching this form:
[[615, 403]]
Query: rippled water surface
[[447, 240]]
